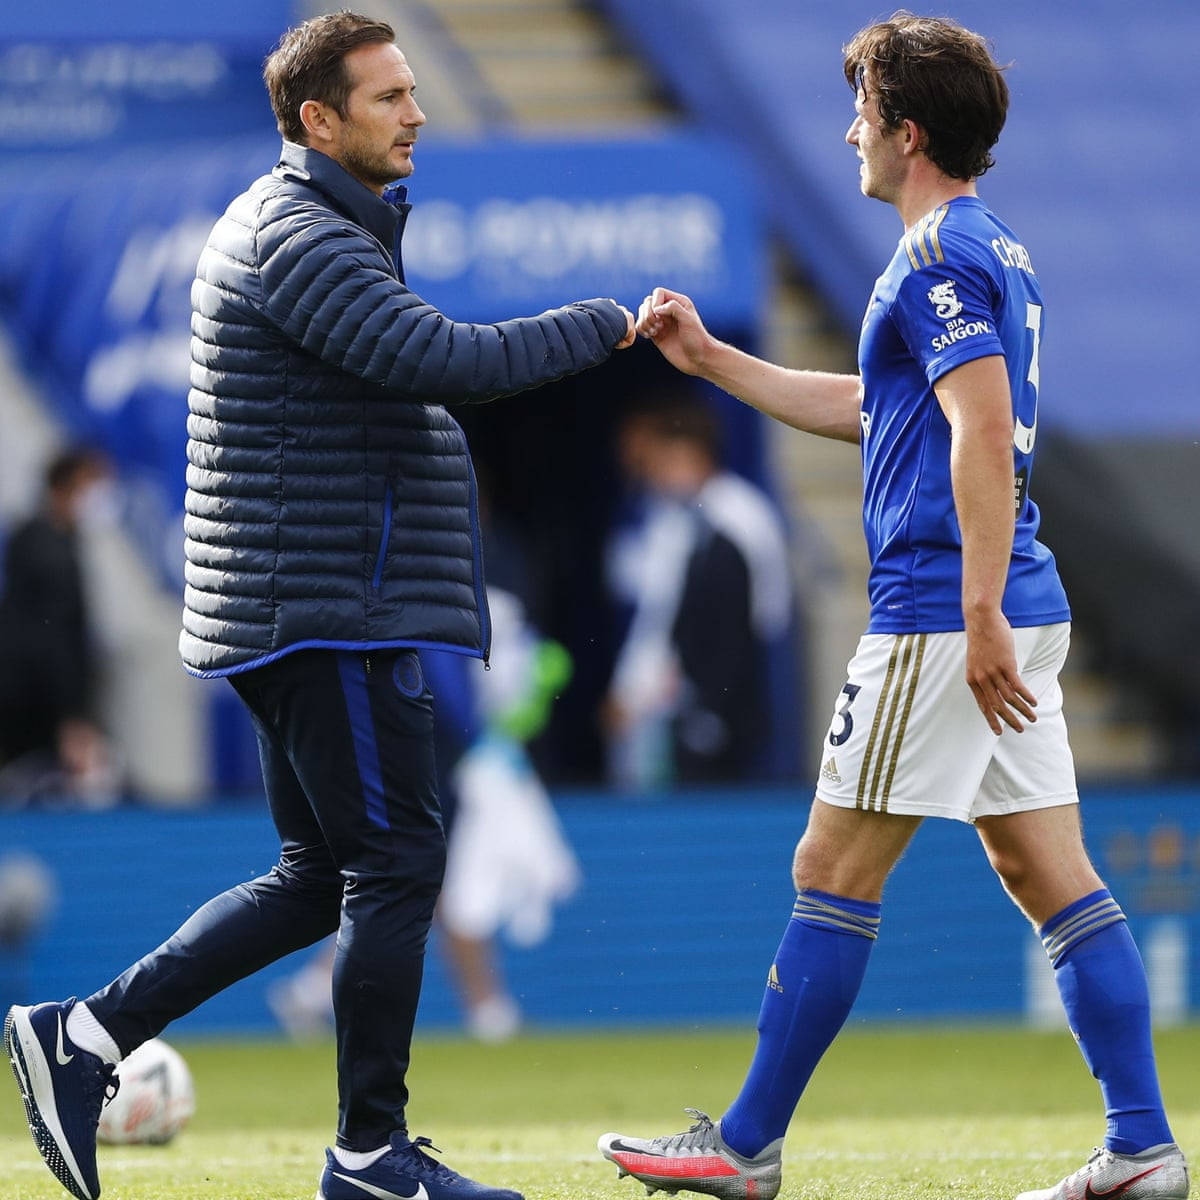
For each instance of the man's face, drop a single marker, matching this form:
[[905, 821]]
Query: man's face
[[677, 467], [882, 169], [374, 142]]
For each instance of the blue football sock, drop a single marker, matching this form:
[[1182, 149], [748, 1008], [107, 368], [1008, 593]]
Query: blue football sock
[[811, 987], [1103, 987]]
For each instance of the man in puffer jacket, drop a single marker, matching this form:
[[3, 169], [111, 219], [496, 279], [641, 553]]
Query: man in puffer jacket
[[331, 532]]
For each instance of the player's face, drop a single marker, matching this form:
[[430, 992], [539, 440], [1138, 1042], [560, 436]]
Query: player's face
[[374, 142], [879, 149]]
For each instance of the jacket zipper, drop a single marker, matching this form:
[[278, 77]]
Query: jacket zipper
[[485, 618], [384, 536]]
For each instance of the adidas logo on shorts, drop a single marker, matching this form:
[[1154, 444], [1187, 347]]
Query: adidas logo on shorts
[[829, 770]]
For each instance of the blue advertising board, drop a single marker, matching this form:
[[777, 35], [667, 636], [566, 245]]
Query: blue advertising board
[[683, 900], [103, 94], [503, 228]]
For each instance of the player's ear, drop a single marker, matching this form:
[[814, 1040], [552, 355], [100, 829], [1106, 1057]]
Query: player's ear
[[915, 137]]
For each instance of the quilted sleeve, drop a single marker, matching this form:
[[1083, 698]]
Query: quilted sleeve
[[326, 287]]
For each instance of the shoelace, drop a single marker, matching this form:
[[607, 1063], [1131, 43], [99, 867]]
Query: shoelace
[[700, 1134], [1089, 1168], [100, 1085], [423, 1163]]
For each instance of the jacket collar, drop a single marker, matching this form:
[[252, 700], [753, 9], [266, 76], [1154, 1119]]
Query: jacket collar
[[378, 216]]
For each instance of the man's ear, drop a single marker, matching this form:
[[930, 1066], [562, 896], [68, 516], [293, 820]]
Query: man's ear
[[318, 120], [915, 138]]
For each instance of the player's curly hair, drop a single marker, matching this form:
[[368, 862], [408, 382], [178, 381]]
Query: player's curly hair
[[932, 71], [310, 64]]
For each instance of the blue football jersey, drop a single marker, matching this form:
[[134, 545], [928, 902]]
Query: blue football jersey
[[960, 287]]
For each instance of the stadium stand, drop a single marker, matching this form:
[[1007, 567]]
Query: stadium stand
[[1088, 90], [94, 281], [1093, 135], [1091, 98], [1091, 175], [540, 64], [767, 75]]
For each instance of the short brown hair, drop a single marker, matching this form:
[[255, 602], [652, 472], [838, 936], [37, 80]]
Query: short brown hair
[[932, 71], [310, 64], [684, 417]]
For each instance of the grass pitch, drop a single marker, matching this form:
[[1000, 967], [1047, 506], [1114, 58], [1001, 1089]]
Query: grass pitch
[[973, 1114]]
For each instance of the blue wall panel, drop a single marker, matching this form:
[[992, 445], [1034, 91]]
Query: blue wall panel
[[683, 902]]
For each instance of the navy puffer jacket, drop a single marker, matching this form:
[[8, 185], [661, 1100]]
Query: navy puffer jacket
[[331, 500]]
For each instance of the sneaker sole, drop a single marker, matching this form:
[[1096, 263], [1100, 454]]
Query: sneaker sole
[[731, 1186], [719, 1187], [36, 1085], [673, 1175]]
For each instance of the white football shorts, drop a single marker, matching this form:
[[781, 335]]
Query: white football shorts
[[907, 736]]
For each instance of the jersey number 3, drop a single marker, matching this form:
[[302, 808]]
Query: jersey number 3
[[1025, 435], [843, 722]]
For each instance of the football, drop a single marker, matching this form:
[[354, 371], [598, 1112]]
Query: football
[[155, 1101]]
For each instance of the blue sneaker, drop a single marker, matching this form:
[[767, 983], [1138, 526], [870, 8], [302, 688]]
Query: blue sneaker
[[405, 1172], [64, 1089]]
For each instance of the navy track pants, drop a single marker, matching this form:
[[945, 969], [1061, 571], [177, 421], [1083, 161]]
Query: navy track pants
[[346, 744]]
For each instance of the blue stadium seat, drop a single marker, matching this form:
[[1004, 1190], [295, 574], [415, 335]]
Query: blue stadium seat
[[1096, 171]]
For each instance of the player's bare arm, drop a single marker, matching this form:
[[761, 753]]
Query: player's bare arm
[[975, 398], [818, 402]]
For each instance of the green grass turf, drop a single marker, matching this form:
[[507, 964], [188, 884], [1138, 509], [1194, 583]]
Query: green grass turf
[[970, 1113]]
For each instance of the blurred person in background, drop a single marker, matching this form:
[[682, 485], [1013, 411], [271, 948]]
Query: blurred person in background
[[28, 897], [52, 744], [508, 863], [707, 573], [952, 706], [330, 533]]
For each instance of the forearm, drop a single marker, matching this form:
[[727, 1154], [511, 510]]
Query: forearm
[[326, 290], [817, 402], [977, 404], [982, 477], [426, 355]]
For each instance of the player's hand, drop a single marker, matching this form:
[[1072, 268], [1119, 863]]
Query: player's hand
[[630, 329], [993, 677], [670, 320]]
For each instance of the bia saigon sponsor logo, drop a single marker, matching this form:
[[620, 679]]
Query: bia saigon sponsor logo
[[945, 303], [959, 331]]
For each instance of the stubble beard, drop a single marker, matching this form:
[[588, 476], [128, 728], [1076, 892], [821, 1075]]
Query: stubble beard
[[372, 168]]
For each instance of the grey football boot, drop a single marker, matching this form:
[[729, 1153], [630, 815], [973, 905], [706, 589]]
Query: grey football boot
[[696, 1161], [1159, 1173]]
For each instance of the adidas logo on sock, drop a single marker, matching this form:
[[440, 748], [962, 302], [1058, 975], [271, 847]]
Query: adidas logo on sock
[[829, 770]]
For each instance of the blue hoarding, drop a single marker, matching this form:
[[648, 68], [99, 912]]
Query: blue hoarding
[[682, 904], [107, 94]]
